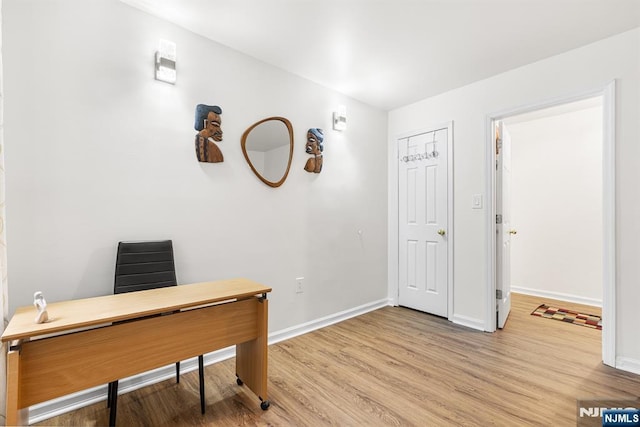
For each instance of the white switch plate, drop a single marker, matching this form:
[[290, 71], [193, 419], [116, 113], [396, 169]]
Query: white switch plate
[[476, 202]]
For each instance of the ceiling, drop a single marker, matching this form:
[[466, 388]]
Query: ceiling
[[390, 53]]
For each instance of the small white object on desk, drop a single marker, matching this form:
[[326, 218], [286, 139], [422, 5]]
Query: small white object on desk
[[41, 305]]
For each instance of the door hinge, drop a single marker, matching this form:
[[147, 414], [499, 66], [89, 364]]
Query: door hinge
[[498, 293], [499, 219]]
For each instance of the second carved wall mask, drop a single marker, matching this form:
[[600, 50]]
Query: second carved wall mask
[[315, 146]]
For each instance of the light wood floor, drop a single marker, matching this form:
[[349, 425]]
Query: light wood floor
[[397, 367]]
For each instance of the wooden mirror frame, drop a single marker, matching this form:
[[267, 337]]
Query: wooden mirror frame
[[243, 143]]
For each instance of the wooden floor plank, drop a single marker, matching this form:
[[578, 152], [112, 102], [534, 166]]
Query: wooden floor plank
[[396, 366]]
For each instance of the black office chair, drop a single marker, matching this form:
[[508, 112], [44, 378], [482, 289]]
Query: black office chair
[[141, 266]]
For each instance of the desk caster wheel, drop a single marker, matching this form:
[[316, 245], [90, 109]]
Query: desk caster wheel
[[239, 381], [264, 405]]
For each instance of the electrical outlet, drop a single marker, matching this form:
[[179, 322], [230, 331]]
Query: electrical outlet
[[299, 285]]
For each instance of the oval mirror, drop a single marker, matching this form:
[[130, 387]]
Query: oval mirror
[[268, 147]]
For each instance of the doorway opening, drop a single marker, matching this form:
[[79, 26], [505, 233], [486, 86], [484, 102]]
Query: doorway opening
[[574, 219], [556, 202]]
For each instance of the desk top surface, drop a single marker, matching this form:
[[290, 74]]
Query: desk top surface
[[69, 315]]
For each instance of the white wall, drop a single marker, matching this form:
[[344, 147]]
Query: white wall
[[97, 151], [573, 72], [556, 202]]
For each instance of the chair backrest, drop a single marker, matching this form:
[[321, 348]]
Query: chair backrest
[[144, 265]]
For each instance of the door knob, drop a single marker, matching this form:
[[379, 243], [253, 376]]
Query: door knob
[[441, 232], [513, 232]]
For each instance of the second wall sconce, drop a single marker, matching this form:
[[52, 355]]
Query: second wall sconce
[[340, 118], [166, 62]]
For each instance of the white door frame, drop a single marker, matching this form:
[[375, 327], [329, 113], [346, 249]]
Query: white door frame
[[608, 210], [394, 206]]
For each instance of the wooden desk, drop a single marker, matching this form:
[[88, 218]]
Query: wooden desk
[[208, 316]]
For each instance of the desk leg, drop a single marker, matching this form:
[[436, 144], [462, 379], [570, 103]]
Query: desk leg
[[251, 357], [15, 415]]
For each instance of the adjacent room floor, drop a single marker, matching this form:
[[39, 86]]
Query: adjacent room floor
[[396, 366]]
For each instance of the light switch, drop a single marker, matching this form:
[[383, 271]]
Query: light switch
[[476, 202]]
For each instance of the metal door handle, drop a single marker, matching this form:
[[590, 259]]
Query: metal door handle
[[441, 232], [513, 232]]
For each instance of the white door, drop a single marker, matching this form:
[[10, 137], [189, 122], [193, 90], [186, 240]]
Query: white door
[[503, 224], [423, 217]]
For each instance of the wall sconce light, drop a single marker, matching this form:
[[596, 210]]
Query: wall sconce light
[[340, 118], [166, 62]]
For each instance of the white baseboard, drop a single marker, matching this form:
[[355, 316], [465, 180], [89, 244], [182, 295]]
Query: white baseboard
[[322, 322], [469, 322], [557, 295], [71, 402], [628, 364]]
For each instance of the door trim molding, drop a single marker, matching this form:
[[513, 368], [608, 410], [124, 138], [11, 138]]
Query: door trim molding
[[608, 209], [394, 205], [609, 227]]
